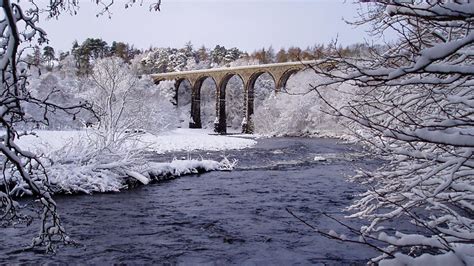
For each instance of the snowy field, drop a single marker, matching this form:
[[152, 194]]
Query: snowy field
[[175, 140]]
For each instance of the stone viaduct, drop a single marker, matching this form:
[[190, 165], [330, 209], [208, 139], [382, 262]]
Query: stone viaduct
[[280, 73]]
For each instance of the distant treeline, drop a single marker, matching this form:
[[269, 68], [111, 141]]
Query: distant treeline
[[159, 60]]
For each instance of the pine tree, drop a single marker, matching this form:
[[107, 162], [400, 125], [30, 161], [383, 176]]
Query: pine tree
[[49, 55]]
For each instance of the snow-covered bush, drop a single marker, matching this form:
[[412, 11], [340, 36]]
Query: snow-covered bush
[[299, 111], [125, 104], [111, 89], [52, 87], [79, 167], [156, 113]]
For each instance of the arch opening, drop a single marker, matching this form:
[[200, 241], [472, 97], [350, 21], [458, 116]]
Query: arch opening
[[183, 99], [235, 104], [260, 86], [281, 85], [230, 107], [207, 88]]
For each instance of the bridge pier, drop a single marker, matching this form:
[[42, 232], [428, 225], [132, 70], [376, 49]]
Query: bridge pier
[[249, 112], [221, 127], [249, 105], [195, 108], [176, 91]]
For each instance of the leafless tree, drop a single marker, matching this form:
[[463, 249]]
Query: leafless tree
[[111, 94], [23, 171], [415, 101]]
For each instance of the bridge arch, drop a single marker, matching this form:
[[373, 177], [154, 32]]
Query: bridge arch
[[250, 98], [200, 80], [281, 83], [221, 114], [198, 95], [253, 78], [181, 80], [177, 85], [225, 79], [182, 98]]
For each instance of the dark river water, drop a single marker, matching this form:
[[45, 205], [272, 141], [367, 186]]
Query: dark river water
[[216, 218]]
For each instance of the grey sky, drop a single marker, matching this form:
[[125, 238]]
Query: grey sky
[[247, 24]]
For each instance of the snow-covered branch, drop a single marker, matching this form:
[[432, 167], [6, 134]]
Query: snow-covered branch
[[415, 106], [25, 172]]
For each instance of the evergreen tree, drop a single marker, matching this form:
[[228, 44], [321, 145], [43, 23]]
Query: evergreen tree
[[188, 49], [49, 55], [35, 58], [218, 54], [232, 55], [202, 54]]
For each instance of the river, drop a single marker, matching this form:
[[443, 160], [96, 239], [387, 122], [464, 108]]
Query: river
[[217, 218]]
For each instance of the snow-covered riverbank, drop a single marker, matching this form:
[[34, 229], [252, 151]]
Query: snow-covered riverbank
[[176, 140], [73, 166]]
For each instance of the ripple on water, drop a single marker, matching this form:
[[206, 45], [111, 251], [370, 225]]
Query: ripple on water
[[236, 217]]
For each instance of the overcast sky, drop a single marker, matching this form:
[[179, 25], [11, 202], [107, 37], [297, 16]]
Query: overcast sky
[[246, 24]]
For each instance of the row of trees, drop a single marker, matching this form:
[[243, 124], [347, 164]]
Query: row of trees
[[294, 54], [45, 57], [92, 49], [84, 54], [160, 60]]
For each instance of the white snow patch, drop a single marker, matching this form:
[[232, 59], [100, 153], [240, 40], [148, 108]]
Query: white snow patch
[[175, 140], [193, 139], [185, 167], [95, 178], [143, 179], [462, 255], [319, 159], [45, 140], [277, 152]]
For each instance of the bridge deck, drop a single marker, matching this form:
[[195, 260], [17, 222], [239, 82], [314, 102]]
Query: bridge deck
[[231, 69]]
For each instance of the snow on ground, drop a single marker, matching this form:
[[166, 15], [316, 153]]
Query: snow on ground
[[176, 140], [45, 140], [194, 139], [74, 172], [73, 178]]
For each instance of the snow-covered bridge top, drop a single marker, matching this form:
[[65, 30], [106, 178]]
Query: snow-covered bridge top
[[279, 71]]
